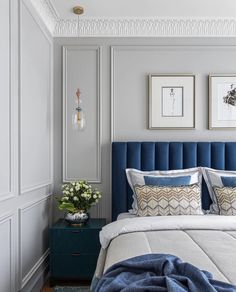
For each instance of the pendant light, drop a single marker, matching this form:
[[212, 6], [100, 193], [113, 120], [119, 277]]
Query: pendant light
[[78, 118]]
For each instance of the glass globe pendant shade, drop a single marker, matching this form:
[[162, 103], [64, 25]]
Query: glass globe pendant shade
[[79, 120]]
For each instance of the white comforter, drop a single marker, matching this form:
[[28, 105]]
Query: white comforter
[[208, 242], [139, 224]]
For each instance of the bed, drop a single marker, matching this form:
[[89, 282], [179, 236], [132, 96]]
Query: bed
[[208, 242]]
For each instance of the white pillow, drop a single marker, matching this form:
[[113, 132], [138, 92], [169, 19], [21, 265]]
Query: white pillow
[[213, 179], [136, 177]]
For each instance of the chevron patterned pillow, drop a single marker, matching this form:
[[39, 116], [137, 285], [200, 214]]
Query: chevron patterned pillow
[[168, 200], [226, 200]]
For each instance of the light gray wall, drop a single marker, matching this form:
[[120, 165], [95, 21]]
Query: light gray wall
[[125, 66], [25, 148]]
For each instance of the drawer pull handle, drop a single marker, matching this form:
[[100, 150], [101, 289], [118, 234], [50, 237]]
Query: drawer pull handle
[[75, 231], [76, 254]]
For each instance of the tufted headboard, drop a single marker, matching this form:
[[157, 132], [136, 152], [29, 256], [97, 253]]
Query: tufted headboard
[[165, 156]]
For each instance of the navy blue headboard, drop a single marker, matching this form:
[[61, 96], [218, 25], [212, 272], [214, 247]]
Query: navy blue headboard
[[165, 156]]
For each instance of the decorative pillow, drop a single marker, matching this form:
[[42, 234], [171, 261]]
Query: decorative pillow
[[164, 178], [226, 199], [169, 200], [217, 178], [167, 181]]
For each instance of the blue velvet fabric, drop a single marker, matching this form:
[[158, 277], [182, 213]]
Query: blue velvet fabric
[[229, 181], [167, 181], [165, 156], [158, 272]]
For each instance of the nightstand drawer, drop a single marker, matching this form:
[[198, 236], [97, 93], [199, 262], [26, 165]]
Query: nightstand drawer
[[73, 267], [75, 241]]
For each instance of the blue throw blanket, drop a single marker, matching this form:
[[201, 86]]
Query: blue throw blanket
[[159, 272]]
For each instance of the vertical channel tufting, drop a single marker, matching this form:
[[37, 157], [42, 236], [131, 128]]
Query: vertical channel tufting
[[189, 154], [148, 156], [133, 161], [119, 182], [204, 159], [218, 155], [176, 155], [162, 155], [230, 156], [204, 154]]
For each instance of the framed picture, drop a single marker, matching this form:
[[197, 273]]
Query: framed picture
[[222, 101], [171, 101]]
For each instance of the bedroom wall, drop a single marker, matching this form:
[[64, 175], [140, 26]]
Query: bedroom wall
[[125, 65], [25, 148]]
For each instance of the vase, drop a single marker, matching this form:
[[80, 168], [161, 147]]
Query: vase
[[78, 218]]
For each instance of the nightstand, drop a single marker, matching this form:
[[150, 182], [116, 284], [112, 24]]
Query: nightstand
[[74, 250]]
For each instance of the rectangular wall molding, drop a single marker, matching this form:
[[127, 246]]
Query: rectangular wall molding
[[10, 190], [42, 259], [172, 48], [9, 219], [36, 183], [84, 164]]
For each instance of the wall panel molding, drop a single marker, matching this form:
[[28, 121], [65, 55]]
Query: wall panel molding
[[49, 180], [10, 219], [11, 192], [42, 260], [151, 48], [98, 70]]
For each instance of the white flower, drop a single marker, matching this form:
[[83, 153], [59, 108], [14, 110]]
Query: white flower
[[97, 192], [96, 201], [75, 199], [77, 188], [73, 184], [71, 190], [88, 197], [95, 196], [65, 199], [99, 196]]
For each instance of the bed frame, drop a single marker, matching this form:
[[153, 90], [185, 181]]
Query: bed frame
[[165, 156]]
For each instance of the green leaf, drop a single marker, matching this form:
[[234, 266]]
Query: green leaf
[[67, 206]]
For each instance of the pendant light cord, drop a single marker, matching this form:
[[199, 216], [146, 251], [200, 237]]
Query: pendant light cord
[[78, 27]]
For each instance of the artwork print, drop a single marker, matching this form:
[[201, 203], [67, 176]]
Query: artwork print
[[226, 101], [172, 101], [222, 101]]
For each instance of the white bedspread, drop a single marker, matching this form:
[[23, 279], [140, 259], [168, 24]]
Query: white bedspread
[[208, 242], [137, 224]]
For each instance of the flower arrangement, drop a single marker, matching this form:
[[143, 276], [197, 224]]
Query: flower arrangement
[[78, 196]]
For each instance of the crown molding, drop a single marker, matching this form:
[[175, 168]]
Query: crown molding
[[147, 27], [133, 26], [47, 13]]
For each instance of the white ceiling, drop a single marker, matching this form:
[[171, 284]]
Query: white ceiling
[[147, 8]]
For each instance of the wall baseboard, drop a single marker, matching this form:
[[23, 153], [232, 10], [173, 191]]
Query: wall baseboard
[[38, 280]]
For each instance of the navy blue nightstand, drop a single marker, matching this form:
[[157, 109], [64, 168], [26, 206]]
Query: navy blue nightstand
[[74, 250]]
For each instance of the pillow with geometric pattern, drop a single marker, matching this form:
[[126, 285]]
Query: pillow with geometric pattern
[[226, 200], [168, 200]]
